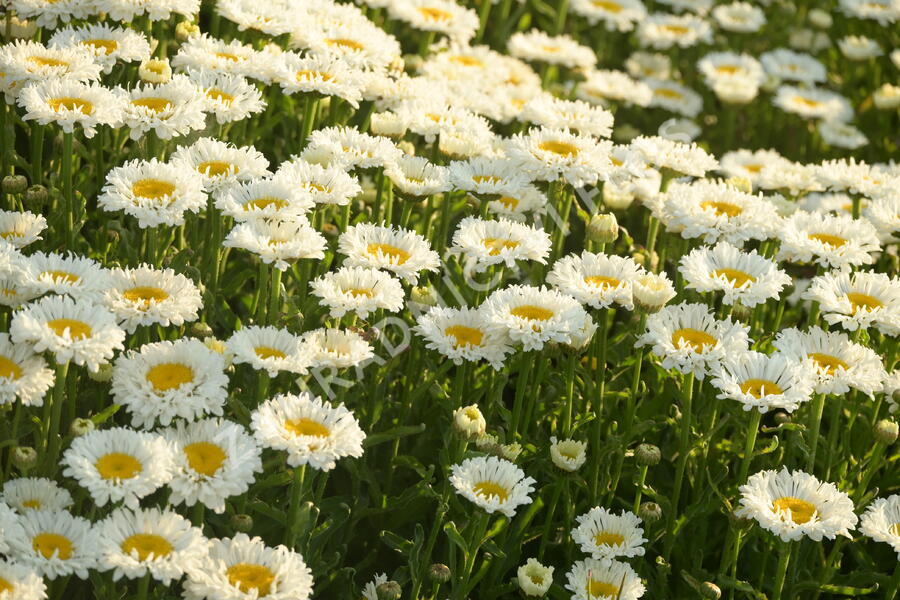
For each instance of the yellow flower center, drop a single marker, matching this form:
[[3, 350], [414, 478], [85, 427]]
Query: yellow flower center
[[602, 282], [393, 253], [33, 503], [753, 168], [345, 43], [48, 543], [220, 96], [607, 6], [761, 387], [247, 576], [863, 302], [68, 103], [676, 29], [832, 241], [487, 489], [45, 61], [531, 312], [509, 202], [360, 292], [668, 93], [147, 545], [169, 376], [117, 465], [204, 457], [735, 277], [464, 336], [78, 330], [108, 46], [894, 529], [600, 589], [699, 341], [497, 245], [467, 61], [267, 201], [434, 14], [306, 75], [9, 369], [606, 538], [6, 586], [722, 208], [214, 168], [11, 234], [145, 295], [59, 277], [559, 148], [304, 426], [827, 363], [486, 179], [156, 105], [154, 189], [265, 352], [312, 186], [801, 510], [227, 56], [808, 102]]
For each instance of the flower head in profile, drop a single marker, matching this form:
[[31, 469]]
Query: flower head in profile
[[493, 484]]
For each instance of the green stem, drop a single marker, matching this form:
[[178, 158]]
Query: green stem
[[296, 494], [749, 444], [815, 423], [274, 310], [37, 154], [642, 477], [143, 587], [54, 437], [570, 392], [783, 559], [683, 451], [67, 190], [310, 104]]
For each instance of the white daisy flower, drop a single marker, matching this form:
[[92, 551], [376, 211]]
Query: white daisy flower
[[10, 528], [841, 135], [663, 31], [488, 175], [350, 149], [154, 192], [23, 62], [879, 522], [309, 429], [126, 11], [745, 278], [603, 534], [214, 460], [264, 198], [244, 568], [839, 363], [79, 277], [165, 380], [169, 109], [67, 103], [221, 163], [493, 484], [370, 591], [21, 228], [442, 16], [55, 544], [400, 251], [204, 52], [119, 464], [674, 97], [358, 290], [229, 97], [689, 338], [764, 382], [163, 544], [883, 11], [749, 164], [417, 176], [72, 330], [603, 85], [859, 47], [534, 316], [337, 349], [462, 334], [47, 13], [552, 154], [35, 493], [884, 214], [485, 243], [21, 582], [813, 103], [787, 65], [858, 300], [273, 18], [555, 113], [688, 159], [109, 44], [325, 185], [277, 243], [24, 375], [537, 46], [618, 15], [147, 296], [517, 203], [269, 349], [568, 455], [739, 17], [794, 504], [360, 45], [322, 75], [598, 280], [832, 241], [603, 579]]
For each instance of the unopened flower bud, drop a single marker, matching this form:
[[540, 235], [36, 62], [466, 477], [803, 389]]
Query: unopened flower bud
[[36, 196], [389, 590], [81, 427], [652, 291], [650, 512], [24, 457], [568, 455], [242, 523], [710, 590], [647, 455], [511, 451], [186, 30], [14, 184], [439, 573], [19, 29], [616, 197], [603, 229], [469, 422], [782, 417], [886, 431], [388, 124], [155, 70], [103, 373], [625, 133], [742, 184], [820, 18], [534, 578], [330, 229], [423, 295], [201, 330], [407, 148]]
